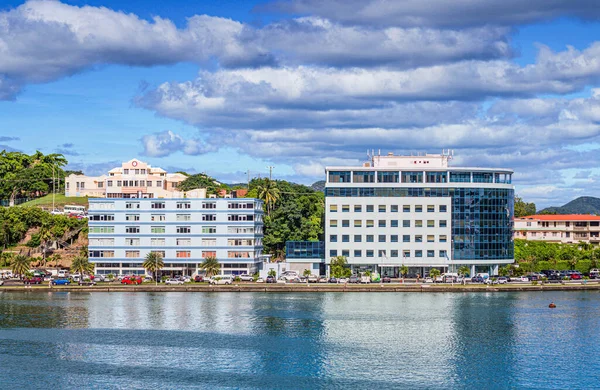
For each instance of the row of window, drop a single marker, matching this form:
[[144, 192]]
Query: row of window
[[178, 254], [205, 229], [384, 238], [134, 183], [567, 224], [384, 253], [179, 241], [392, 223], [417, 177], [383, 208], [178, 217]]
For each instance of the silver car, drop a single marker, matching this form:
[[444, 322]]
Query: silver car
[[173, 281]]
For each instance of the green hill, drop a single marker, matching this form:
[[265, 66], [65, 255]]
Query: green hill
[[581, 205], [59, 201], [318, 185]]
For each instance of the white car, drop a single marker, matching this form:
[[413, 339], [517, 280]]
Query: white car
[[524, 279], [221, 279], [260, 280], [173, 281], [246, 278], [343, 280], [428, 280], [1, 282], [313, 279]]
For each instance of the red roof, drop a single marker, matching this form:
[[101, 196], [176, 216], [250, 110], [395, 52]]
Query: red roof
[[562, 217]]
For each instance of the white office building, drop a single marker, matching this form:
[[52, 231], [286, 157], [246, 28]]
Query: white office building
[[420, 212], [184, 231]]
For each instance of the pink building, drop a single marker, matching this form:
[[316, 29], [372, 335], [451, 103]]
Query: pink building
[[568, 228]]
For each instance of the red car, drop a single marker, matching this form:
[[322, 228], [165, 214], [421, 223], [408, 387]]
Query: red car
[[34, 280], [575, 276], [131, 280]]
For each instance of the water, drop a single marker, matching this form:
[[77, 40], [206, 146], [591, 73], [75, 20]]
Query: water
[[299, 340]]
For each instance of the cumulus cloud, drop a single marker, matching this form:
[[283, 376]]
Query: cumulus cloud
[[444, 13], [165, 143]]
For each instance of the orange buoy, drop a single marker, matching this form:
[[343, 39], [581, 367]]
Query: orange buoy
[[552, 305]]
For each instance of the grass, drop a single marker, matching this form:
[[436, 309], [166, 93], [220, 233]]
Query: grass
[[60, 200]]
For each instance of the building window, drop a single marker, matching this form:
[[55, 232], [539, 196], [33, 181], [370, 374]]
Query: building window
[[119, 183], [132, 217], [412, 177], [209, 217], [333, 208], [430, 253], [206, 254], [483, 177], [357, 253], [430, 208], [460, 177], [132, 205], [184, 205], [345, 208], [159, 183], [405, 253], [405, 238], [363, 177], [209, 229], [394, 223], [183, 229], [370, 253], [183, 254], [430, 238], [443, 254], [406, 223], [157, 229], [357, 223], [209, 205], [418, 223], [382, 223], [394, 253], [370, 223], [406, 208], [381, 238], [132, 242], [333, 223], [418, 208], [132, 229], [100, 184], [436, 177], [394, 238], [158, 205], [394, 208], [382, 208], [382, 253], [357, 208], [157, 217], [332, 253], [443, 238], [430, 223], [370, 208], [357, 238], [345, 223], [346, 238], [443, 208], [345, 252], [157, 242], [183, 217], [370, 238], [339, 177], [418, 238], [388, 177], [209, 242], [184, 242], [443, 223], [333, 238], [132, 253], [419, 253]]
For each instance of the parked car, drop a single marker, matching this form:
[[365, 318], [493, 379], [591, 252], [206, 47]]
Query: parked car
[[477, 279], [260, 280], [502, 280], [554, 278], [1, 282], [386, 279], [323, 279], [271, 279], [89, 282], [174, 281], [246, 278], [365, 279], [131, 280], [523, 279], [313, 279], [332, 280], [222, 279], [199, 278], [594, 273], [576, 276], [34, 280], [63, 273], [354, 279], [61, 282], [343, 280], [428, 280]]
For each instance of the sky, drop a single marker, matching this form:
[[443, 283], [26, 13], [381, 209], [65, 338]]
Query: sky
[[229, 87]]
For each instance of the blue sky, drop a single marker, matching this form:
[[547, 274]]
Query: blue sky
[[230, 86]]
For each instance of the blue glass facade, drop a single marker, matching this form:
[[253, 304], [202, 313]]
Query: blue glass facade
[[482, 224], [305, 249]]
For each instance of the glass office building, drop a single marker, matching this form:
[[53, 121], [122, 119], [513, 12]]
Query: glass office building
[[420, 212]]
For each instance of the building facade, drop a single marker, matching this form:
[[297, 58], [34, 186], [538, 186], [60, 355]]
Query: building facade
[[419, 212], [565, 229], [133, 179], [184, 231]]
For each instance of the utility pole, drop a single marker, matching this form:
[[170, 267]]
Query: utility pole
[[270, 172], [248, 172], [53, 187]]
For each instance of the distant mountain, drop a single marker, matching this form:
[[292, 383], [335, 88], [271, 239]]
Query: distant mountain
[[581, 205], [318, 185]]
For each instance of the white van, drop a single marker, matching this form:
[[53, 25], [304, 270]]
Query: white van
[[288, 276], [222, 279]]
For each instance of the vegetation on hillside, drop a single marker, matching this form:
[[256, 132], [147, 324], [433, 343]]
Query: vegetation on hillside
[[538, 255], [60, 200], [202, 180], [581, 205], [523, 209], [295, 213]]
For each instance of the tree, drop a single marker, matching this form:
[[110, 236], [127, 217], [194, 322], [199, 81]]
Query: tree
[[403, 271], [211, 266], [434, 273], [154, 263], [55, 258], [522, 208], [504, 271], [81, 265], [464, 271], [339, 267], [306, 273], [201, 180], [45, 238], [20, 265], [268, 192], [272, 273]]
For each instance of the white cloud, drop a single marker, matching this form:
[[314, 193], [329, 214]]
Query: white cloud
[[165, 143]]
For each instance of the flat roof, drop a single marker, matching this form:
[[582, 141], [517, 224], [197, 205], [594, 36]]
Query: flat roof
[[418, 169], [560, 217]]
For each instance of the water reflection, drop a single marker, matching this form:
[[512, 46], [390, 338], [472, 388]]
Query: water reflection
[[252, 340]]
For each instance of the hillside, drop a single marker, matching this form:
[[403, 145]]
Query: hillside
[[581, 205], [59, 201], [318, 185]]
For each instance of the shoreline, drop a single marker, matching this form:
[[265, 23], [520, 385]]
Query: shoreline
[[312, 288]]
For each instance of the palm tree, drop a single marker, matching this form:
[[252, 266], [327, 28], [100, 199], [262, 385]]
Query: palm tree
[[403, 271], [45, 239], [268, 192], [81, 265], [211, 266], [55, 258], [20, 265], [464, 270], [154, 263], [434, 273]]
